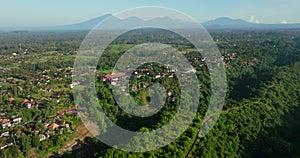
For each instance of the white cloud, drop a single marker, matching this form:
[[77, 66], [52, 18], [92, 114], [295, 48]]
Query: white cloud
[[251, 18], [283, 21], [254, 20]]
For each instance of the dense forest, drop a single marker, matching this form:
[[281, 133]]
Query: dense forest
[[261, 108], [259, 118]]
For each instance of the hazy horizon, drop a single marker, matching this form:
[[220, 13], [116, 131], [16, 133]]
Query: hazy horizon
[[52, 13]]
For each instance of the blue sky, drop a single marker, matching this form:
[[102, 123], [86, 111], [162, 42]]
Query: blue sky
[[60, 12]]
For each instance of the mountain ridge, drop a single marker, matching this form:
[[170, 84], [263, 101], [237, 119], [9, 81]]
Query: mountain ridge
[[219, 23]]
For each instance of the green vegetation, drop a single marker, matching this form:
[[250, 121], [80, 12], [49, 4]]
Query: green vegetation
[[259, 118]]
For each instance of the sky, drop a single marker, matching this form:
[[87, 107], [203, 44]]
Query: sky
[[61, 12]]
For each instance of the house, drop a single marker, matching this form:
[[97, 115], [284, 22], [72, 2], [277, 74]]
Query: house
[[157, 76], [169, 93], [190, 70], [48, 89], [6, 143], [11, 100], [168, 74], [53, 126], [16, 119], [5, 123], [64, 124], [2, 114], [27, 103], [113, 76], [73, 84], [47, 134], [173, 99], [145, 85], [42, 137], [4, 134]]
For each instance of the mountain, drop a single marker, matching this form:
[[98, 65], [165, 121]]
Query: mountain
[[130, 22], [228, 23], [116, 23], [85, 25], [225, 22]]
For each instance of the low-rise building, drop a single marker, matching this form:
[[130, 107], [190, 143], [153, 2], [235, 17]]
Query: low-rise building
[[42, 137], [4, 134], [6, 143], [16, 119], [113, 76], [5, 123], [53, 126], [73, 84], [27, 103]]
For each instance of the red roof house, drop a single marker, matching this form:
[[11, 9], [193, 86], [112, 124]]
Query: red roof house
[[113, 76]]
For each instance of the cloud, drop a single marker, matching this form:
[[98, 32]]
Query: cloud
[[283, 21], [254, 20], [251, 18]]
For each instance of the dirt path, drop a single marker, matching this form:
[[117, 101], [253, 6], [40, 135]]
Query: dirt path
[[80, 133]]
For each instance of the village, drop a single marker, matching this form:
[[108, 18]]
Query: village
[[53, 84], [13, 127], [37, 111], [36, 105]]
